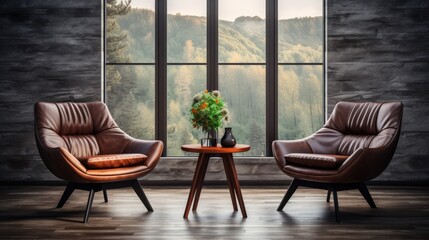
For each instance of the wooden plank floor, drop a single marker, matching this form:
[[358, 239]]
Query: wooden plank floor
[[28, 212]]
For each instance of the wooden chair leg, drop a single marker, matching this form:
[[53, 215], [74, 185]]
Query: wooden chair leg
[[89, 205], [290, 191], [139, 191], [105, 195], [337, 210], [67, 192], [365, 193], [328, 197]]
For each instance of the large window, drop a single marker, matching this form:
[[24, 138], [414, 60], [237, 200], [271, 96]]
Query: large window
[[265, 56]]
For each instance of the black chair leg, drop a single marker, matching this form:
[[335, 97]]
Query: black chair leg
[[89, 205], [337, 210], [328, 197], [365, 193], [105, 195], [67, 192], [290, 191], [139, 191]]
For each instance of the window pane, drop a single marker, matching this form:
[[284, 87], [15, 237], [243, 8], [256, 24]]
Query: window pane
[[130, 95], [300, 101], [241, 31], [243, 89], [300, 31], [186, 31], [183, 83], [130, 32]]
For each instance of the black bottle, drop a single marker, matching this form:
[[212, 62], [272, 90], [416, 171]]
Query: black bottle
[[228, 139]]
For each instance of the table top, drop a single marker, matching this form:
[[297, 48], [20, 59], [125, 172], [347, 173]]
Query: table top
[[197, 148]]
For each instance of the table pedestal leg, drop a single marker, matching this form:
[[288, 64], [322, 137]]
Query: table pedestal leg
[[195, 184], [233, 176], [230, 182], [200, 180]]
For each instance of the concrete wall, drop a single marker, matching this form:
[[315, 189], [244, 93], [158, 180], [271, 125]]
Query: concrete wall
[[50, 50], [379, 51]]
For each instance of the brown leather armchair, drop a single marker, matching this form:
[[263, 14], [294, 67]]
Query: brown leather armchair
[[355, 145], [81, 144]]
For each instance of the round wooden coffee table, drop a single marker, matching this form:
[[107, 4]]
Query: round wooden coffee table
[[200, 171]]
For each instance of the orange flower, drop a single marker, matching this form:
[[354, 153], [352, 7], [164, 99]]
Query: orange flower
[[217, 101], [206, 91], [203, 106], [194, 110]]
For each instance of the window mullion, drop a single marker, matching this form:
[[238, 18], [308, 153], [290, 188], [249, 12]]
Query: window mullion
[[325, 61], [161, 72], [271, 74], [212, 45]]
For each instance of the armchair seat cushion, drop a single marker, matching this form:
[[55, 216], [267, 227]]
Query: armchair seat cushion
[[112, 174], [112, 160], [324, 161]]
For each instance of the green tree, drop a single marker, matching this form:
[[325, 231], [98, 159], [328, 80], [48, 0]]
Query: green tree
[[256, 138], [116, 50], [116, 46], [128, 114]]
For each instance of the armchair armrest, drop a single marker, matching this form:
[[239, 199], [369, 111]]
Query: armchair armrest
[[151, 148], [72, 160], [283, 147]]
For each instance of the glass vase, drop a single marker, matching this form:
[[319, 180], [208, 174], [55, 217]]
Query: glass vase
[[211, 140]]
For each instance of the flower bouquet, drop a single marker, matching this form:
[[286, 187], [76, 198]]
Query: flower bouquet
[[208, 111]]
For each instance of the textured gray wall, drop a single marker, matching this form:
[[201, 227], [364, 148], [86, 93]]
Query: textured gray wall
[[50, 50], [378, 50]]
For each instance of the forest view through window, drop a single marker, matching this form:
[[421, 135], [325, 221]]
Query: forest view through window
[[143, 37]]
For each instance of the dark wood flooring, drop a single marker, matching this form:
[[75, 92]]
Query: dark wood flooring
[[28, 212]]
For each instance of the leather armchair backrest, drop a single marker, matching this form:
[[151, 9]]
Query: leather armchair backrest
[[352, 126], [84, 129]]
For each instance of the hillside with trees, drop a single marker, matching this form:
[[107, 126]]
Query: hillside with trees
[[130, 89]]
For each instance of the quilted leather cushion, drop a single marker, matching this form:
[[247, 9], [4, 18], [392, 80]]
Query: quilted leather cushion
[[325, 161], [113, 160]]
